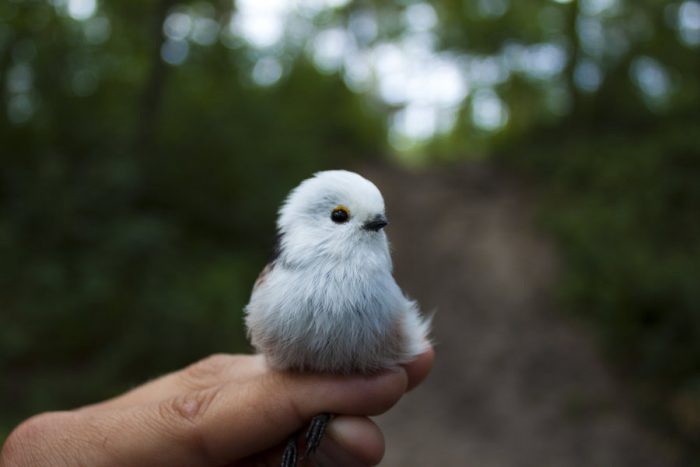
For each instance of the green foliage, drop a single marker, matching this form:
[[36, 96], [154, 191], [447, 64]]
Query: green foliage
[[623, 205]]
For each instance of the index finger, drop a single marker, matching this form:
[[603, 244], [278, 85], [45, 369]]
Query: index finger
[[223, 423]]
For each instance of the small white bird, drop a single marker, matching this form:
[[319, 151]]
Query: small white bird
[[328, 302]]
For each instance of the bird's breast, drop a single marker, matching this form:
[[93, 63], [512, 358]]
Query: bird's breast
[[333, 319]]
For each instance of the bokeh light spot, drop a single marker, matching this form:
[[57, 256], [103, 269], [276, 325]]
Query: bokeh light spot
[[19, 79], [493, 8], [205, 31], [599, 7], [652, 79], [329, 49], [689, 23], [489, 112], [174, 52], [81, 9], [20, 108], [420, 17], [177, 26], [363, 25], [267, 71], [260, 22], [97, 30], [588, 76]]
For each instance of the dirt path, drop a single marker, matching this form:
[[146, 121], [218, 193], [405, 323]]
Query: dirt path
[[515, 383]]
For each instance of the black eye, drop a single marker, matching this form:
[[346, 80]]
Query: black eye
[[340, 215]]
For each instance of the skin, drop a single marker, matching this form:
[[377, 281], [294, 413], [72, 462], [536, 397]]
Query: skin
[[226, 410]]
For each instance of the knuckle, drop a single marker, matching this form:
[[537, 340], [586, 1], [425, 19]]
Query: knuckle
[[31, 431], [206, 372], [27, 442], [190, 407], [20, 439], [183, 417]]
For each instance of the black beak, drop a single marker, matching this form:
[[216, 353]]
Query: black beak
[[376, 224]]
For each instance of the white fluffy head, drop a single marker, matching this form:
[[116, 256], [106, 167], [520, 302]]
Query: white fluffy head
[[307, 229]]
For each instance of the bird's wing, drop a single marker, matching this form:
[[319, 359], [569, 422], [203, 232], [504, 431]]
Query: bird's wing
[[263, 275], [271, 264]]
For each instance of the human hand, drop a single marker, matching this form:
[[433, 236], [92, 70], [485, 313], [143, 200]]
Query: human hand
[[224, 410]]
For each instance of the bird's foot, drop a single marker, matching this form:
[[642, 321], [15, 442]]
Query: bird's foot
[[290, 456], [314, 434], [313, 437]]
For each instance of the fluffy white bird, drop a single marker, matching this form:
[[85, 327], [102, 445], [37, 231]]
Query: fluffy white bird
[[328, 301]]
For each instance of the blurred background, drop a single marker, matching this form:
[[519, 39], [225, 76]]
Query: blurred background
[[540, 161]]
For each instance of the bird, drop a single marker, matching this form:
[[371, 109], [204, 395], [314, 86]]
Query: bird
[[327, 301]]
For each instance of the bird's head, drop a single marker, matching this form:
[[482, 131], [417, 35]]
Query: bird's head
[[335, 213]]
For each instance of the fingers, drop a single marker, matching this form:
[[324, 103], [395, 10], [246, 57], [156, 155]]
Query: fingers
[[350, 438], [230, 407]]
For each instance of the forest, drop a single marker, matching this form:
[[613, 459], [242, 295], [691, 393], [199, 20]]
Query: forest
[[145, 147]]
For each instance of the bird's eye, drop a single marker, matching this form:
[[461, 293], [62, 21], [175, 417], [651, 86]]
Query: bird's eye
[[340, 215]]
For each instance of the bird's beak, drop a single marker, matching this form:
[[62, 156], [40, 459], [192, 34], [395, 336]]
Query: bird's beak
[[375, 224]]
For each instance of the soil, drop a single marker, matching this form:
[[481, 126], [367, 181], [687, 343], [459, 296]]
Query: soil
[[517, 382]]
